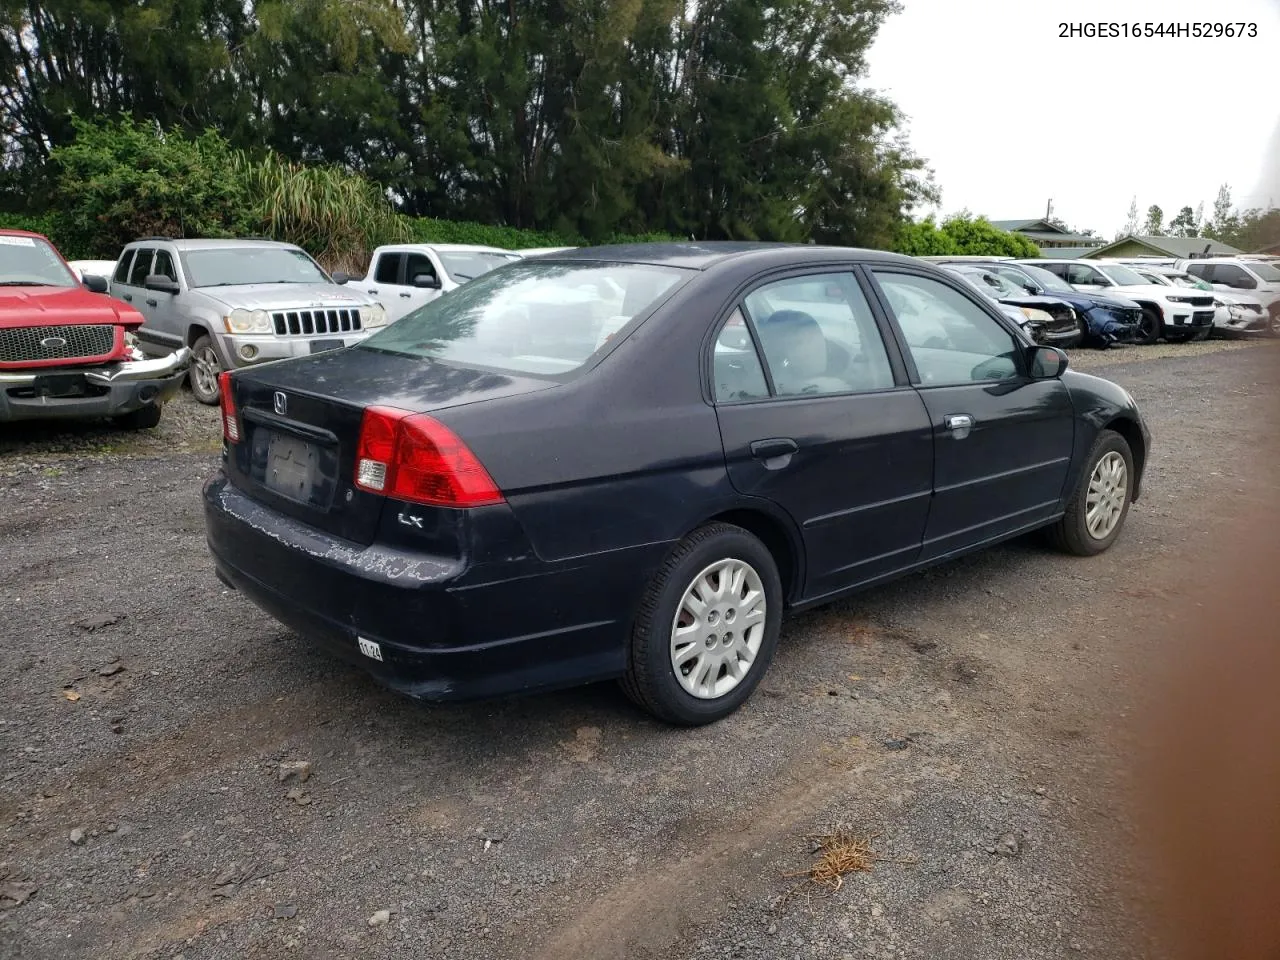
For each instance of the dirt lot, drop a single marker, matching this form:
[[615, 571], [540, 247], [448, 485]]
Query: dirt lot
[[973, 718]]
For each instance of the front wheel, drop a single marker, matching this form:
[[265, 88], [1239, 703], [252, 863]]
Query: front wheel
[[1150, 327], [1099, 504], [707, 627], [205, 367]]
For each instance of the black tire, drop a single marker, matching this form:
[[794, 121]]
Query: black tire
[[144, 418], [1150, 328], [1071, 533], [1273, 321], [205, 355], [650, 679]]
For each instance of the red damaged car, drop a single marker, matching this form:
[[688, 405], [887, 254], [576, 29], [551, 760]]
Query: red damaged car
[[66, 349]]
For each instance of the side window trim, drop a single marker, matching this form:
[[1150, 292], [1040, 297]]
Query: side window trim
[[914, 373]]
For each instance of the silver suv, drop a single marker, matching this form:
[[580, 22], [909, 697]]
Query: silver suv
[[236, 303]]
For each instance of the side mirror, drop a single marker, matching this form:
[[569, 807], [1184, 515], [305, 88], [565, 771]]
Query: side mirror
[[426, 281], [94, 283], [1046, 363], [161, 284], [339, 277]]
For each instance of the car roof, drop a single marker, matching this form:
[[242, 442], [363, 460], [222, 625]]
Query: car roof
[[14, 232], [204, 244], [702, 255], [449, 247]]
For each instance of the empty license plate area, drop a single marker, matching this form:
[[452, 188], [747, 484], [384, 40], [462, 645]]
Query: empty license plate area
[[324, 346], [301, 470]]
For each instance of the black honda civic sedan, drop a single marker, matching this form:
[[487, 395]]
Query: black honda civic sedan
[[629, 462]]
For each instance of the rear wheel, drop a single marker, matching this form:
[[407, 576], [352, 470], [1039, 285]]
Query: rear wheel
[[1100, 502], [1273, 323], [1150, 327], [707, 627], [144, 418], [205, 367]]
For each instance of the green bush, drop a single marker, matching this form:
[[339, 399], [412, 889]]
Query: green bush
[[337, 216], [117, 181], [961, 235], [431, 230]]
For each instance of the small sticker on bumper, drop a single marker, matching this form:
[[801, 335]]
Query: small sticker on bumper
[[370, 649]]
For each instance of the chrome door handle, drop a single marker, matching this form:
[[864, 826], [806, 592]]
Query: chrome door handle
[[959, 424]]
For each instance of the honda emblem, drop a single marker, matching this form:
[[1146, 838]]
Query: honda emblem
[[280, 403]]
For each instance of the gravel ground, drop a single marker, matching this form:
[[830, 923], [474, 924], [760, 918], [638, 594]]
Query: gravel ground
[[972, 719]]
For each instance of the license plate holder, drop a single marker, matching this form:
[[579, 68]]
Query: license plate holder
[[293, 467], [59, 385], [324, 346]]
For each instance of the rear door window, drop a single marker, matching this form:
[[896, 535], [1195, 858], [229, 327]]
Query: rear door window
[[141, 268], [122, 268], [819, 336]]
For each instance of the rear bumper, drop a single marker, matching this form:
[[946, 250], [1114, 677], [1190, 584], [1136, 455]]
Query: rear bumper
[[447, 630], [86, 392]]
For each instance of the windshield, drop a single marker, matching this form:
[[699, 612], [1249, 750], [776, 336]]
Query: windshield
[[29, 262], [1122, 276], [1265, 271], [1047, 280], [982, 281], [532, 317], [1186, 280], [230, 266], [463, 265]]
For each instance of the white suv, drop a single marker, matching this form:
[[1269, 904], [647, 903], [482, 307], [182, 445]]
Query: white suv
[[1173, 313], [1236, 275]]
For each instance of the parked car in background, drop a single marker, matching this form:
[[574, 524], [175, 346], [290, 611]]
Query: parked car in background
[[1232, 275], [96, 268], [236, 303], [493, 495], [1110, 320], [66, 348], [1175, 315], [1235, 313], [403, 277], [1045, 319]]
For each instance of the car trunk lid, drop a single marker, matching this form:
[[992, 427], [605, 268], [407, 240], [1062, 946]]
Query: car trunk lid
[[300, 423]]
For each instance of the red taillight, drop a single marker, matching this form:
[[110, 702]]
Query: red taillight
[[230, 422], [417, 458]]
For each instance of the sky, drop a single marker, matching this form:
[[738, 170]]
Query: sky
[[1009, 115]]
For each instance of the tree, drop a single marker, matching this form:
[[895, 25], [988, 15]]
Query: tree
[[1154, 226], [1225, 223], [716, 119], [1131, 221], [1184, 224], [961, 235]]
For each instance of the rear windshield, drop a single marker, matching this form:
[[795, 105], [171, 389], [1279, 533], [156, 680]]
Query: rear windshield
[[1264, 270], [537, 317], [29, 262]]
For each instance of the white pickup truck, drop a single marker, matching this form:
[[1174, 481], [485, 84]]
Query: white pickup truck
[[404, 276]]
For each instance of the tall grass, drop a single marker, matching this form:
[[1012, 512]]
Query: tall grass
[[338, 216]]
